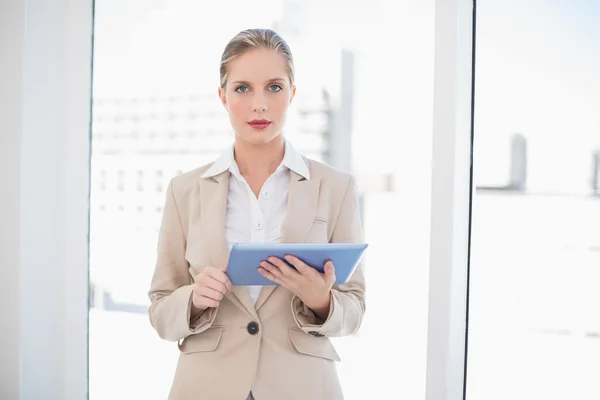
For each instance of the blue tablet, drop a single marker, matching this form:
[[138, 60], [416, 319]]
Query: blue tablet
[[245, 258]]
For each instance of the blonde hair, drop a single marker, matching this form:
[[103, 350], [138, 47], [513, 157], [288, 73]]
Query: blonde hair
[[250, 39]]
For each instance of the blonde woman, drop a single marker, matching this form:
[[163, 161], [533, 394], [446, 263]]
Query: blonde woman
[[271, 342]]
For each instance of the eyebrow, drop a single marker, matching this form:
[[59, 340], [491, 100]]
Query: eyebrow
[[248, 83]]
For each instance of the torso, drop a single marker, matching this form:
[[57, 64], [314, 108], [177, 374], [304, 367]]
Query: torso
[[256, 210], [256, 184]]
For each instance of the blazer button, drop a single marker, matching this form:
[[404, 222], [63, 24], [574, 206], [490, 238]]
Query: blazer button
[[315, 334], [252, 328]]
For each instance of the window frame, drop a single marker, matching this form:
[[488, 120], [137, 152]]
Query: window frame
[[451, 199]]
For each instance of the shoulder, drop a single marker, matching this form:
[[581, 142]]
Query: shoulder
[[188, 181], [331, 178]]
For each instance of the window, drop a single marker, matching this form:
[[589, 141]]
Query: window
[[140, 181], [102, 180], [121, 181], [159, 182], [339, 116], [534, 325]]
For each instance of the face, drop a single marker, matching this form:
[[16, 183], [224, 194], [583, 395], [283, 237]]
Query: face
[[257, 95]]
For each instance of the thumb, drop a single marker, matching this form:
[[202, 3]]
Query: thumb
[[227, 282], [222, 266], [329, 273]]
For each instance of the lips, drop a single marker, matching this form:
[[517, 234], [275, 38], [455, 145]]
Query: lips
[[259, 123]]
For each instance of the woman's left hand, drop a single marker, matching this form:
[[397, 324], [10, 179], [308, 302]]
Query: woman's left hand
[[310, 285]]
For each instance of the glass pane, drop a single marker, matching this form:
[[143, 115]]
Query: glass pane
[[534, 326], [364, 105]]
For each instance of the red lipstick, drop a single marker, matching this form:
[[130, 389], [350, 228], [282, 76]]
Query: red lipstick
[[259, 123]]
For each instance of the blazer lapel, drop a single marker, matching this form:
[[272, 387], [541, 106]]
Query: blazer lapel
[[301, 210], [213, 192]]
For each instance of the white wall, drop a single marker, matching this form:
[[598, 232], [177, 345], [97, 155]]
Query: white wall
[[44, 167], [11, 32]]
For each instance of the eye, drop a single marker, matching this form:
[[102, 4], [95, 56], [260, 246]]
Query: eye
[[242, 89], [275, 88]]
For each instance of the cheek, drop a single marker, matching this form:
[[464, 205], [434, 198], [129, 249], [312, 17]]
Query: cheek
[[279, 108], [236, 108]]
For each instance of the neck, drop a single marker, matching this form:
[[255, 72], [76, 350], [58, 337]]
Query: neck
[[259, 160]]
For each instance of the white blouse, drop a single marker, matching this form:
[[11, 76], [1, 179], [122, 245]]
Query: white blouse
[[252, 219]]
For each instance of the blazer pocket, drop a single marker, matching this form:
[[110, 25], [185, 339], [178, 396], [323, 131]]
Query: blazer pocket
[[313, 346], [319, 231], [201, 342], [322, 220]]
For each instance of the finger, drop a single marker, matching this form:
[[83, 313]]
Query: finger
[[300, 265], [220, 276], [205, 301], [285, 269], [216, 285], [329, 273], [274, 270], [209, 293], [271, 269], [269, 275]]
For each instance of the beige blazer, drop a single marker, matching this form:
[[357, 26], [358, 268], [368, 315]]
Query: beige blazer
[[278, 348]]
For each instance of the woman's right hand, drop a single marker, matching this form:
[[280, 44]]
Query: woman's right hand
[[210, 286]]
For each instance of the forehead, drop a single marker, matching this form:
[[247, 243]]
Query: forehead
[[258, 65]]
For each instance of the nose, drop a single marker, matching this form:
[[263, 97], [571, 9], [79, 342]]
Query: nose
[[259, 103]]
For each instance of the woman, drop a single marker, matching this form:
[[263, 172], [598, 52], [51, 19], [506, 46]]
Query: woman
[[272, 342]]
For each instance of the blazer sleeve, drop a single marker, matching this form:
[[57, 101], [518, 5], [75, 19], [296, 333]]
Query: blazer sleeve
[[347, 304], [171, 287]]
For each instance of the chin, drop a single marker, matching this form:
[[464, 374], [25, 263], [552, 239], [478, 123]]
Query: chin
[[259, 138]]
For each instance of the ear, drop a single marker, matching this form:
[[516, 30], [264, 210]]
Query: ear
[[293, 94], [221, 93]]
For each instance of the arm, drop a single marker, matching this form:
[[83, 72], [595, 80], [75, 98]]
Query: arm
[[171, 312], [347, 301]]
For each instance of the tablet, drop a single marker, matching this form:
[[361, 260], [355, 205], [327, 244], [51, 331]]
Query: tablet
[[245, 258]]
